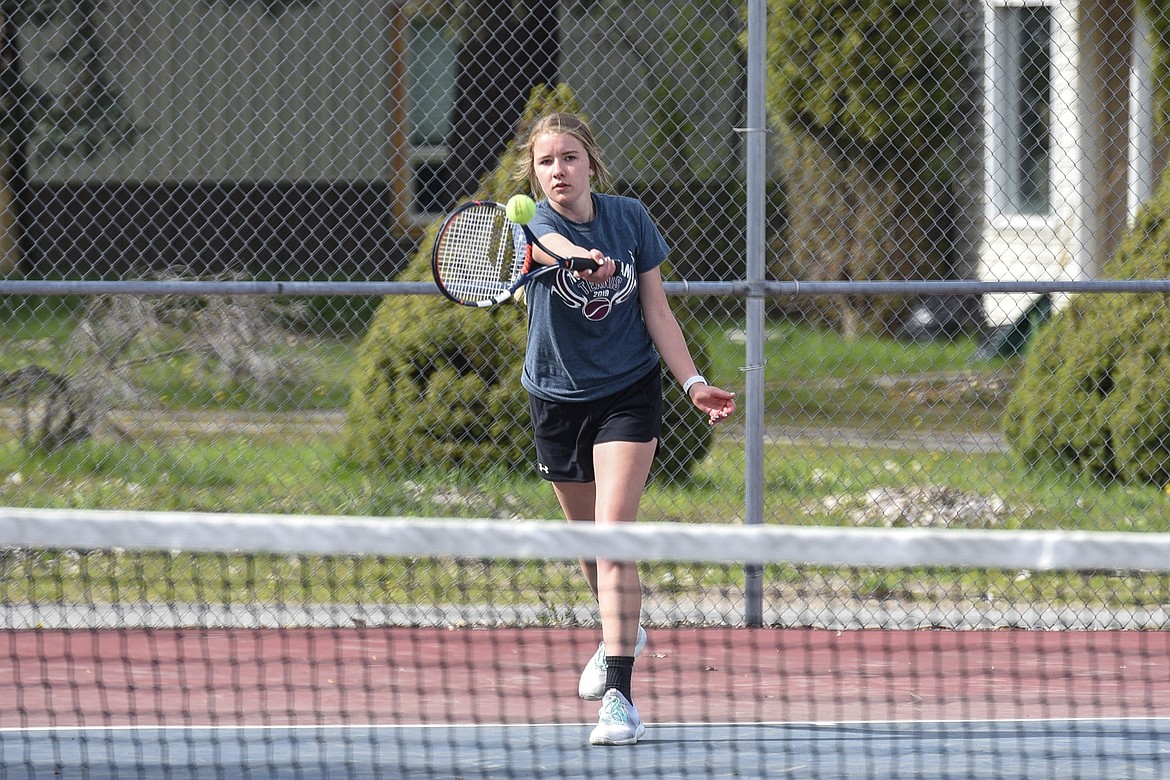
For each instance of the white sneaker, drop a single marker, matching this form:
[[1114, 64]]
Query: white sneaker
[[592, 684], [618, 722]]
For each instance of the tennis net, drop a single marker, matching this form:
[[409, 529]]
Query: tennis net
[[208, 645]]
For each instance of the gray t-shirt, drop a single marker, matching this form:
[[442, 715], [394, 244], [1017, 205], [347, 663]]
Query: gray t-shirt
[[585, 340]]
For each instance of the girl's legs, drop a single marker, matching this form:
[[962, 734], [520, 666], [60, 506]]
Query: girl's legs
[[578, 501], [620, 469]]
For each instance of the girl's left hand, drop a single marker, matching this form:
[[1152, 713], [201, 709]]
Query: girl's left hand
[[716, 402]]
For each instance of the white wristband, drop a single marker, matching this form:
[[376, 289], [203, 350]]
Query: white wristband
[[696, 379]]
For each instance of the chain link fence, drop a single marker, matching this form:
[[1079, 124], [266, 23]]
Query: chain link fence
[[216, 225]]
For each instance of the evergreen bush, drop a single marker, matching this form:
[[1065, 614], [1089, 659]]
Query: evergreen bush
[[1094, 393], [438, 385]]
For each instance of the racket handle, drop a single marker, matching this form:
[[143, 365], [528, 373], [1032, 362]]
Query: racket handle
[[570, 263], [581, 264]]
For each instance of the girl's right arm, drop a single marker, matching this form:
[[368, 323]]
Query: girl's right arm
[[566, 248]]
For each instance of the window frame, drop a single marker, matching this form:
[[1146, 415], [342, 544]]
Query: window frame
[[427, 153], [1002, 155]]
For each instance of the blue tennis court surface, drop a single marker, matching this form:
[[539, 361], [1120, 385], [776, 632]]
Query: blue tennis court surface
[[1062, 749]]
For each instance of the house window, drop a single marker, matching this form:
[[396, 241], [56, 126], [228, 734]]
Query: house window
[[431, 51], [1021, 121]]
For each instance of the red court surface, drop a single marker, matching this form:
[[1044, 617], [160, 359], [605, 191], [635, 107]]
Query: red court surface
[[65, 678]]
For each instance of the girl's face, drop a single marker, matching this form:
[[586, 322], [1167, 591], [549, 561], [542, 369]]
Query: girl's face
[[563, 170]]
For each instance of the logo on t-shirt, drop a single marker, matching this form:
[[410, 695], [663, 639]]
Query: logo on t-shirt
[[596, 301]]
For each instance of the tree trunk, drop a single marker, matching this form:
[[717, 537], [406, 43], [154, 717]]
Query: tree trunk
[[10, 147]]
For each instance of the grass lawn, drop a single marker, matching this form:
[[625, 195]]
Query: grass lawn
[[814, 382]]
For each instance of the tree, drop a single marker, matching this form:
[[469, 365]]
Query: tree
[[13, 130], [1157, 12], [872, 95]]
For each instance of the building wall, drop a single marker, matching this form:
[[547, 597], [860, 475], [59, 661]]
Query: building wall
[[665, 92], [217, 91], [289, 113]]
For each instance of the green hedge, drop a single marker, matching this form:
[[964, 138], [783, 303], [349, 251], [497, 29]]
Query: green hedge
[[1094, 394]]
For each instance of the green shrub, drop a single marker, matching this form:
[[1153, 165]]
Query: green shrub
[[1094, 394], [438, 385]]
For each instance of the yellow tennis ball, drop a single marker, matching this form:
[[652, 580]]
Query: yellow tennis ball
[[521, 209]]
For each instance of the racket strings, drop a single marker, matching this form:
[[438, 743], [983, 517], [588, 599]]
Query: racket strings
[[477, 257]]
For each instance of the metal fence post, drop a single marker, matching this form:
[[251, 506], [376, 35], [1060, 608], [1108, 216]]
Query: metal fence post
[[755, 137]]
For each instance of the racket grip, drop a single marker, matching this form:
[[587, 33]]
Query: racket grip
[[581, 264]]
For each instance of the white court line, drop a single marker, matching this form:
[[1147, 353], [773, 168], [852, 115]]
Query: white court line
[[1165, 721]]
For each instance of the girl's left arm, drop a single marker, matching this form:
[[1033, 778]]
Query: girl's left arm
[[668, 338]]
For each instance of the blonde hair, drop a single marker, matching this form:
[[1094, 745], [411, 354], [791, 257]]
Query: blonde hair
[[561, 123]]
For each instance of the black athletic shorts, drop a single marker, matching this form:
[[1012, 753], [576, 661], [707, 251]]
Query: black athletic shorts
[[566, 432]]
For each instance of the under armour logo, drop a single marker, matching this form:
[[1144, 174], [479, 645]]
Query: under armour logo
[[543, 468]]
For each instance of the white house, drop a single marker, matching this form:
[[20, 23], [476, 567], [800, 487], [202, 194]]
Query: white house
[[1071, 150]]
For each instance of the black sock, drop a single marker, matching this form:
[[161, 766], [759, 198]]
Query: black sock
[[619, 673]]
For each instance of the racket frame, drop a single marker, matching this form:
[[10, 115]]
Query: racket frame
[[519, 282]]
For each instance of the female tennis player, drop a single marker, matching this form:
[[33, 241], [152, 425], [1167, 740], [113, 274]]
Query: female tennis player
[[592, 373]]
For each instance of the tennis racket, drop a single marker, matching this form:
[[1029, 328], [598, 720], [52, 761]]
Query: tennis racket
[[482, 258]]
